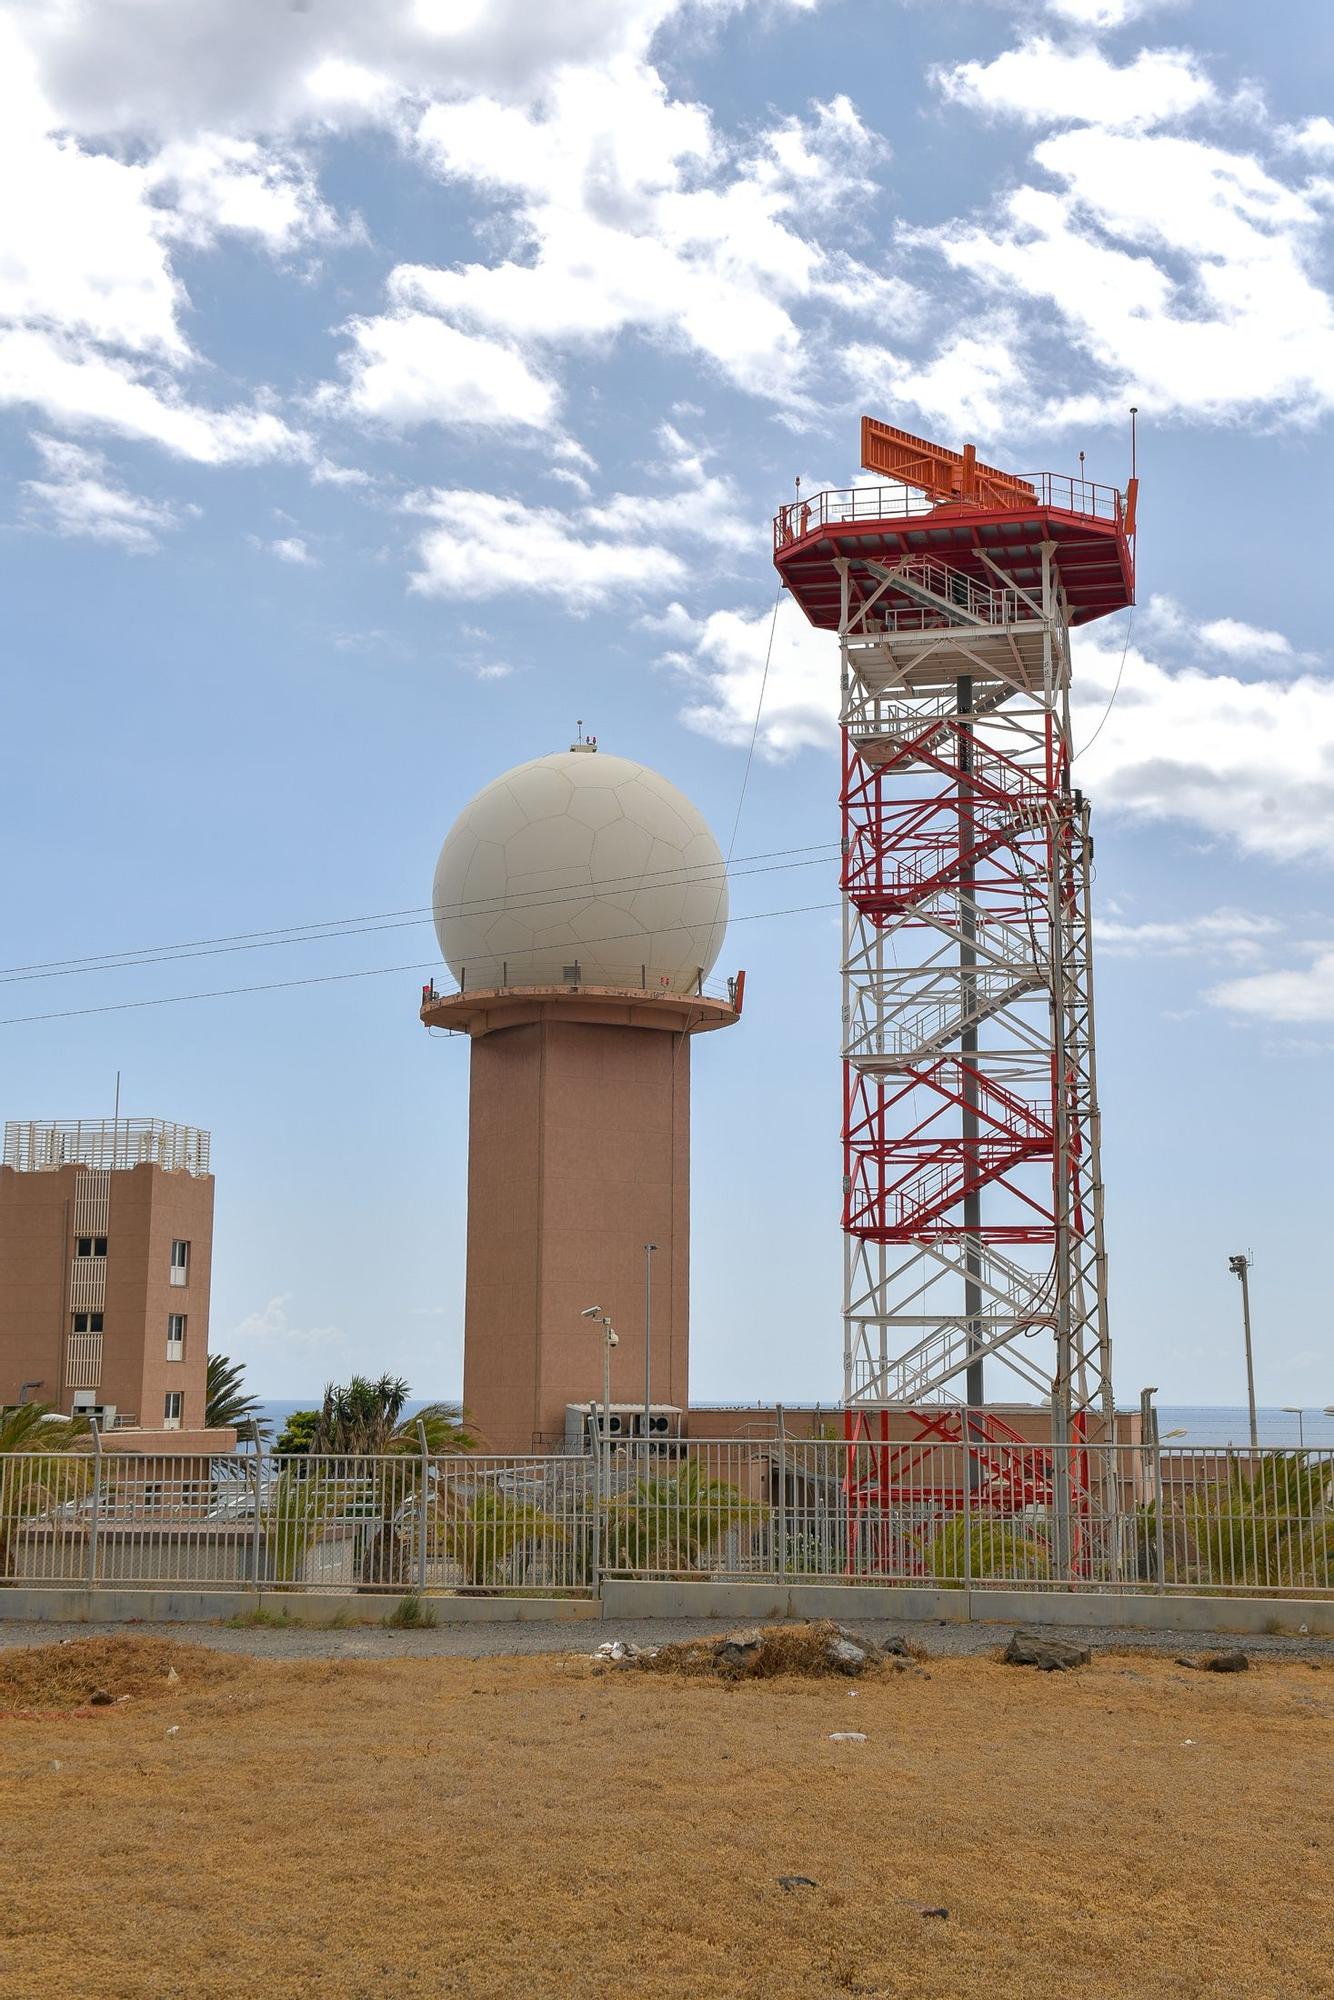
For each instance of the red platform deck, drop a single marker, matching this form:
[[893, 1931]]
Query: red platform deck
[[890, 524]]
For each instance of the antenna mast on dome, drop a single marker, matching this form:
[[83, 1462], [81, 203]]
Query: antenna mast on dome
[[581, 741]]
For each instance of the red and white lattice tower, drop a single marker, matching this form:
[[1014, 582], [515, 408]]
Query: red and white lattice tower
[[972, 1197]]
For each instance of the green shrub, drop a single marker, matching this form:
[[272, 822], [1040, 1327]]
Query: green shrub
[[988, 1551]]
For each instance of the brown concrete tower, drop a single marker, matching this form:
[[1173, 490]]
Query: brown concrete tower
[[580, 902]]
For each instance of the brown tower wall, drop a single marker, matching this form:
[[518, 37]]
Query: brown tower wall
[[579, 1154]]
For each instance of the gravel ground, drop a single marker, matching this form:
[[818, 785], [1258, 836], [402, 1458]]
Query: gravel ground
[[478, 1641]]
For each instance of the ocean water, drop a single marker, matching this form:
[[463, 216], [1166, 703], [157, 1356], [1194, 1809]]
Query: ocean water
[[1203, 1424]]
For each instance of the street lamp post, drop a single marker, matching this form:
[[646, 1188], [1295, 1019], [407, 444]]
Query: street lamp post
[[1297, 1410], [649, 1248], [1240, 1266], [609, 1340]]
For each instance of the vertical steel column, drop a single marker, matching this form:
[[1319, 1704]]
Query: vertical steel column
[[974, 1393]]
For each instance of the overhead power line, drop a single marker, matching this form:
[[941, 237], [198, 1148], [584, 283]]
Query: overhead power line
[[409, 918], [333, 978]]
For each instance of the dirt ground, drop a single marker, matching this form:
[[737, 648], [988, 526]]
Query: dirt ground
[[549, 1827]]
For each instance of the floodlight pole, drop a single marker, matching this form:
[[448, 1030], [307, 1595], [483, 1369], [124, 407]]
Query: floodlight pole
[[1240, 1266]]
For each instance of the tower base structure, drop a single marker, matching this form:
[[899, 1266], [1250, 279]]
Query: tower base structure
[[579, 1158]]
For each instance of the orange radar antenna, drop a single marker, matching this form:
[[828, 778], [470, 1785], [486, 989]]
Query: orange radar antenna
[[937, 471]]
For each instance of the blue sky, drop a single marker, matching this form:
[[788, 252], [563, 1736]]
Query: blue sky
[[383, 388]]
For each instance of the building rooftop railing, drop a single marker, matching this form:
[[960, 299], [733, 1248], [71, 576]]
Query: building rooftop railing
[[843, 505], [44, 1145]]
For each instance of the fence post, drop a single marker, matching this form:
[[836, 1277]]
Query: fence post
[[967, 1513], [1160, 1530], [595, 1443], [782, 1494], [423, 1509], [257, 1538], [97, 1504]]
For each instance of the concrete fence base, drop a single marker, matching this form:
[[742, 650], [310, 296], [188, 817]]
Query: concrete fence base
[[624, 1600], [40, 1604]]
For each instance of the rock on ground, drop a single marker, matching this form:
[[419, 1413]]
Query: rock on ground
[[1031, 1649]]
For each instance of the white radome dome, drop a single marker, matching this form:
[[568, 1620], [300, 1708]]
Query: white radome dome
[[581, 859]]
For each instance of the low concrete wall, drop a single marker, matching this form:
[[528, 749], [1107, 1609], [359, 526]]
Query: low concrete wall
[[755, 1602], [1154, 1614], [623, 1600], [32, 1604]]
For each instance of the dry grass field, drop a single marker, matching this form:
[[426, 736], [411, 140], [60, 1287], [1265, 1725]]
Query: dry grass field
[[543, 1826]]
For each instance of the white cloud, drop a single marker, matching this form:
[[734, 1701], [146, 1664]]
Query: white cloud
[[487, 545], [972, 385], [491, 670], [1293, 994], [79, 496], [690, 503], [1251, 763], [81, 251], [82, 389], [1222, 933], [409, 368], [724, 671], [211, 183], [1042, 83], [629, 213], [1164, 623], [291, 549], [1241, 641], [1314, 137], [155, 66], [282, 1355], [1180, 274], [90, 308]]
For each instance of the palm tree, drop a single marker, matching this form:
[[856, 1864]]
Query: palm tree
[[226, 1404], [1272, 1526], [43, 1466], [366, 1418], [489, 1534], [668, 1524]]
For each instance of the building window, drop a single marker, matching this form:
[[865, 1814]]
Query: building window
[[91, 1246], [171, 1410], [87, 1322], [175, 1336], [180, 1263]]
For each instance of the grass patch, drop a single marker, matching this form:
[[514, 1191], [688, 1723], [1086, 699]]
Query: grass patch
[[410, 1615], [261, 1618]]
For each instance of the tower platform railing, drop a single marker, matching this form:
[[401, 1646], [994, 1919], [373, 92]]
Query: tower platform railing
[[842, 506]]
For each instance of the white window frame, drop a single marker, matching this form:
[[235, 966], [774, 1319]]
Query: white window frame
[[176, 1340], [173, 1404], [180, 1266], [88, 1318]]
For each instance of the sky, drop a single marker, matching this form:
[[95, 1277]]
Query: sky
[[384, 389]]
